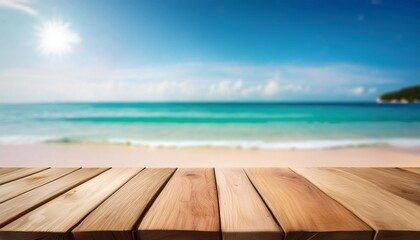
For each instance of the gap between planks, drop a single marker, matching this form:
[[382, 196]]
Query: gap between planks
[[392, 217], [46, 222], [22, 204], [119, 214], [17, 187], [12, 175], [383, 234]]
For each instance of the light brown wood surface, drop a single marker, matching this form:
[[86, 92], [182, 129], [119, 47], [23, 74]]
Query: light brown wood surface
[[118, 215], [393, 217], [414, 170], [17, 187], [187, 208], [303, 211], [7, 170], [10, 175], [400, 182], [243, 214], [20, 205], [150, 204], [61, 214]]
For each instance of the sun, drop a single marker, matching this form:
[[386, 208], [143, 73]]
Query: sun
[[56, 38]]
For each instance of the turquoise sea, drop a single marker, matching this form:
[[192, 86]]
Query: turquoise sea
[[233, 125]]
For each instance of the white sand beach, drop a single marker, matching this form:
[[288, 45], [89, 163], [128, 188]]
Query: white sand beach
[[98, 155]]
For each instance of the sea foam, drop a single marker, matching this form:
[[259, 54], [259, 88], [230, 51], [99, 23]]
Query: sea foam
[[304, 144], [234, 144]]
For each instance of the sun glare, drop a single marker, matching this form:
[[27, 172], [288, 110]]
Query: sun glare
[[56, 38]]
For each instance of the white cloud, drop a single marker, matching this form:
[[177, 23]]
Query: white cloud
[[168, 87], [252, 91], [237, 85], [84, 84], [357, 91], [271, 88], [222, 87], [20, 5], [190, 81], [225, 87]]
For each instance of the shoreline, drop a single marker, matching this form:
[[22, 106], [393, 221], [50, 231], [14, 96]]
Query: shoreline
[[294, 144], [102, 155]]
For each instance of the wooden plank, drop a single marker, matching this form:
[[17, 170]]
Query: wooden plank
[[243, 214], [393, 217], [187, 208], [7, 170], [22, 204], [303, 211], [414, 170], [56, 218], [397, 181], [17, 187], [8, 176], [119, 214]]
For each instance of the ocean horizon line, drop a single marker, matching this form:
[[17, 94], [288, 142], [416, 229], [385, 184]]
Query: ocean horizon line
[[199, 102]]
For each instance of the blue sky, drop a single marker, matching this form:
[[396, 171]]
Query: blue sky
[[210, 50]]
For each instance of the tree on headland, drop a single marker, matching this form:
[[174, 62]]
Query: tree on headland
[[405, 95]]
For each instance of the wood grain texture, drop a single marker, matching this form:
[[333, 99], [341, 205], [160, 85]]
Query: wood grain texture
[[413, 170], [10, 175], [303, 211], [62, 213], [187, 208], [17, 187], [392, 216], [7, 170], [20, 205], [397, 181], [243, 214], [117, 216]]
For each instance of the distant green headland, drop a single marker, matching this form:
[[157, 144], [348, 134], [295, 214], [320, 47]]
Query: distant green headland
[[405, 95]]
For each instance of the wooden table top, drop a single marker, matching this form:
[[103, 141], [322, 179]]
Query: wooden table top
[[207, 203]]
